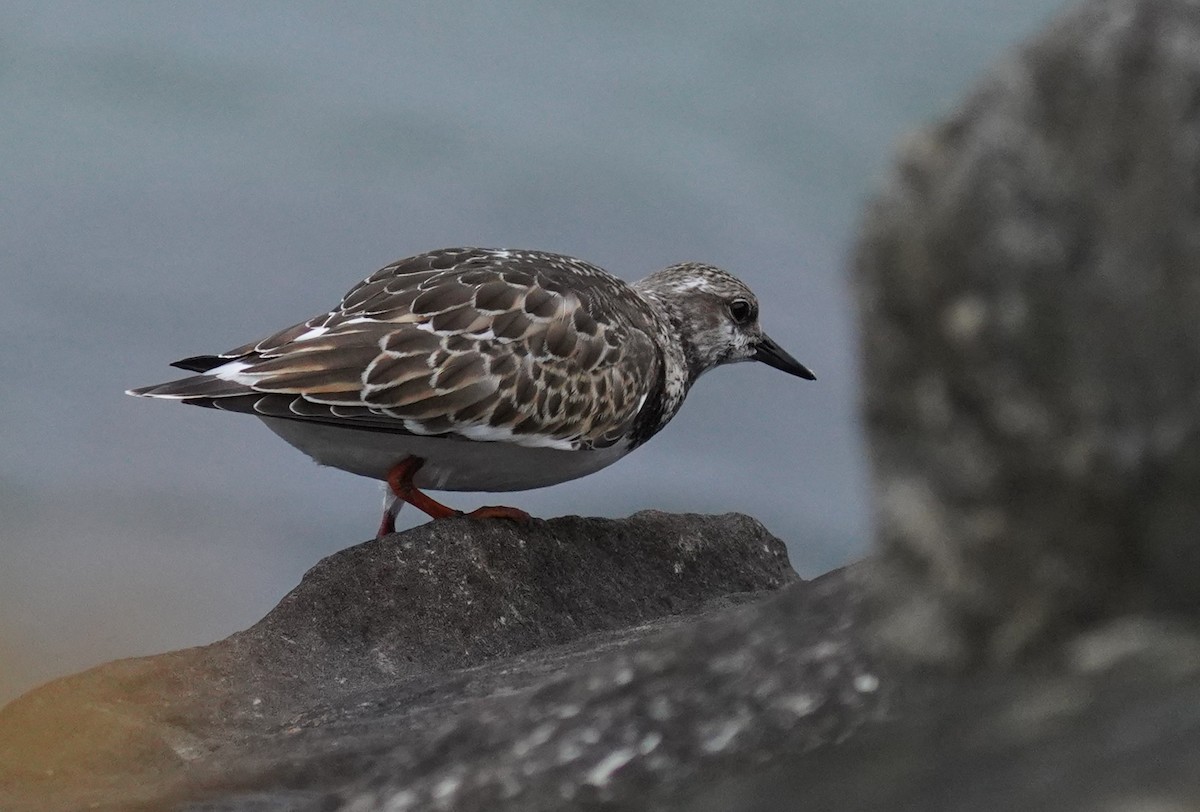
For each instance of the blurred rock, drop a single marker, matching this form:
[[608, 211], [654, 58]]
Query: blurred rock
[[1030, 291], [1120, 733], [1029, 284], [464, 663]]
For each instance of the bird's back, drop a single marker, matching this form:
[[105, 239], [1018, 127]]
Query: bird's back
[[524, 347]]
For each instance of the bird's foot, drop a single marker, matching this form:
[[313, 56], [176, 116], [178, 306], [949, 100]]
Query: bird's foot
[[400, 481], [499, 512]]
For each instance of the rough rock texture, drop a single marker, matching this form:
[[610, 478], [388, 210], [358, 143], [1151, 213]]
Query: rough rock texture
[[1031, 317], [783, 676], [461, 664], [1114, 728]]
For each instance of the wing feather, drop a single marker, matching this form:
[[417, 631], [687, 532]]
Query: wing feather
[[538, 347]]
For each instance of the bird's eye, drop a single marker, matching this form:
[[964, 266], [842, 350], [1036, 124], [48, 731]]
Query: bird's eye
[[741, 311]]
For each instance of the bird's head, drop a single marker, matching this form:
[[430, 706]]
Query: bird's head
[[715, 317]]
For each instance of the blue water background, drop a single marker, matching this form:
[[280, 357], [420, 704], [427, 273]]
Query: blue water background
[[178, 178]]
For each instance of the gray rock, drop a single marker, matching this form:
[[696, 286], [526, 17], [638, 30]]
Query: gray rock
[[783, 676], [467, 663], [1030, 293], [1116, 726], [1031, 316]]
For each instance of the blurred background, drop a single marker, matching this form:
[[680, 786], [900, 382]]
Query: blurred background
[[181, 178]]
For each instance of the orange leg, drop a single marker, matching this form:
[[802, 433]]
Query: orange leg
[[400, 481]]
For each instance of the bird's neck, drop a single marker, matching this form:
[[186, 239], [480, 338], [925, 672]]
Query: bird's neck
[[674, 379]]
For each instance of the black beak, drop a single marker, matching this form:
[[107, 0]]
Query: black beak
[[774, 355]]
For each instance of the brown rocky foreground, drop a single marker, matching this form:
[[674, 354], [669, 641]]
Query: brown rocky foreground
[[473, 663]]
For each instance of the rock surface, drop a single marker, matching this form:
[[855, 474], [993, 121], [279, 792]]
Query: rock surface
[[1031, 317], [1114, 726], [464, 663]]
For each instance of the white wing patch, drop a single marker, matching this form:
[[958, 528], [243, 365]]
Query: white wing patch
[[233, 372], [315, 332], [503, 434]]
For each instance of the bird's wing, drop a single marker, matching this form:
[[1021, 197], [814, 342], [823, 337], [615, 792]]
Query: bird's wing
[[519, 346]]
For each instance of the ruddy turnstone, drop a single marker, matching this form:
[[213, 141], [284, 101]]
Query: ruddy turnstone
[[473, 369]]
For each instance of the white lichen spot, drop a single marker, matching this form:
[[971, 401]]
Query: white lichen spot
[[567, 711], [650, 741], [624, 676], [965, 319], [402, 801], [866, 683], [540, 735], [825, 650], [568, 751], [720, 734], [599, 775], [446, 787], [798, 704], [383, 662], [183, 744]]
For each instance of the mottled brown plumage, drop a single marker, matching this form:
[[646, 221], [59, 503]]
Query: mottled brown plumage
[[463, 337], [471, 348]]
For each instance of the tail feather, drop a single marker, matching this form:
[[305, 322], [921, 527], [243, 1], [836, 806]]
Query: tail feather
[[195, 386], [200, 363]]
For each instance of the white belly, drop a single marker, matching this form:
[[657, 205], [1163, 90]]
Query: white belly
[[451, 464]]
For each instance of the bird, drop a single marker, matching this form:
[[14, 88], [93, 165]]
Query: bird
[[482, 369]]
